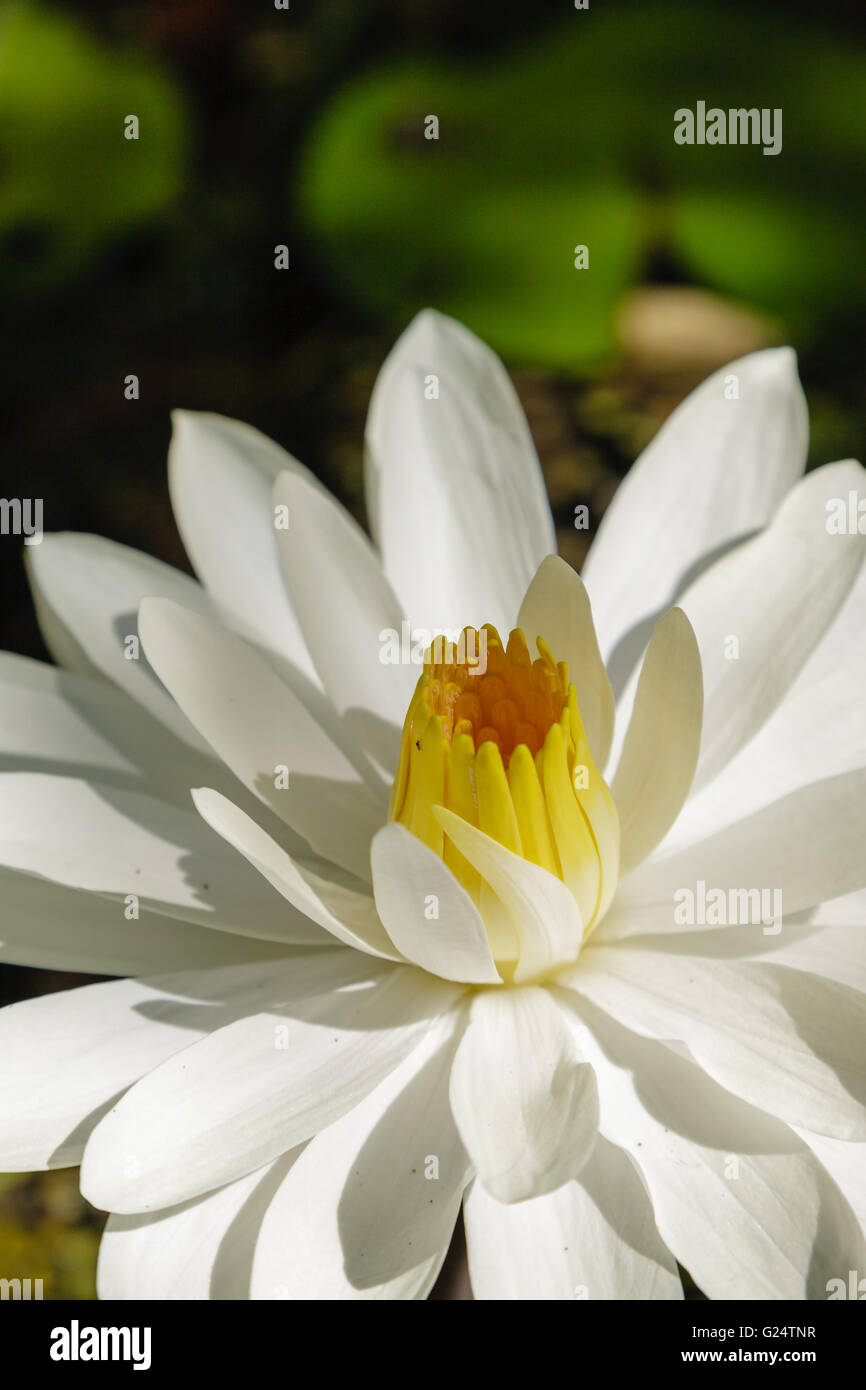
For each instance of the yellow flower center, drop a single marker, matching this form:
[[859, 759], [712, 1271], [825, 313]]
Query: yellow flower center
[[497, 738]]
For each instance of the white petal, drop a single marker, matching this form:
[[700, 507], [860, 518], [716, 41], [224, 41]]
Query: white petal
[[557, 608], [93, 588], [737, 1196], [454, 489], [402, 1193], [337, 1025], [836, 951], [540, 907], [53, 927], [843, 635], [775, 596], [818, 731], [69, 1054], [84, 726], [200, 1250], [845, 911], [660, 752], [87, 592], [345, 605], [351, 917], [808, 846], [365, 1213], [525, 1102], [258, 726], [846, 1165], [716, 471], [408, 881], [119, 843], [789, 1042], [221, 474], [592, 1239]]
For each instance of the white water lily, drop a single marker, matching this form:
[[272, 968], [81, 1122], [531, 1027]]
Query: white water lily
[[371, 980]]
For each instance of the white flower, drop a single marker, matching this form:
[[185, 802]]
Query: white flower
[[341, 1025]]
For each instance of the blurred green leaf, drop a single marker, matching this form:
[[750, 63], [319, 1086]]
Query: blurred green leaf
[[572, 142], [69, 179]]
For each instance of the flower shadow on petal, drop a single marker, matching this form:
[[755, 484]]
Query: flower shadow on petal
[[625, 655], [233, 1265], [402, 1197]]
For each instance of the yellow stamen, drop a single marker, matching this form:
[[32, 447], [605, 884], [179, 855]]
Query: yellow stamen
[[498, 739]]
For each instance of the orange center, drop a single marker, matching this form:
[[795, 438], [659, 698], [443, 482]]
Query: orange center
[[495, 694]]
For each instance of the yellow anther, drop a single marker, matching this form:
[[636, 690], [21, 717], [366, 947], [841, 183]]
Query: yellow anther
[[497, 737]]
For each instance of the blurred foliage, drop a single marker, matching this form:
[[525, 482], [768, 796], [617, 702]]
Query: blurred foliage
[[71, 182], [48, 1232], [571, 142]]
